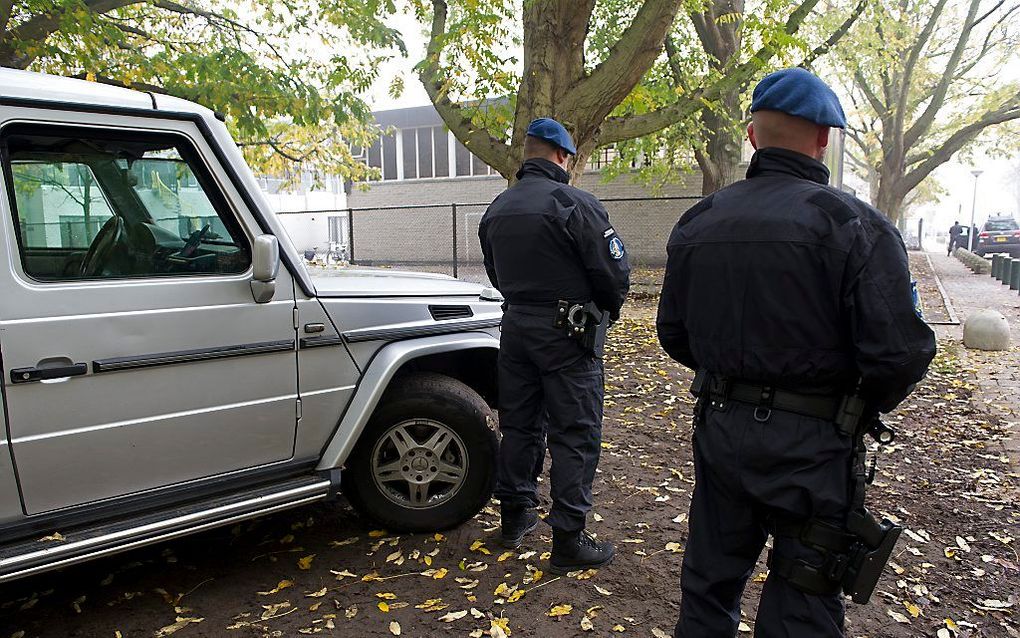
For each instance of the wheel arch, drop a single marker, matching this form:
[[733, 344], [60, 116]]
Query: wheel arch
[[452, 355]]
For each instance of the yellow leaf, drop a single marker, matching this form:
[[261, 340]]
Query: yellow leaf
[[395, 628], [317, 594], [428, 561], [586, 624], [438, 537], [504, 556], [289, 538], [377, 533], [499, 628], [914, 610], [619, 629], [91, 77], [452, 616], [951, 624], [370, 577], [55, 536], [514, 597], [177, 626], [440, 573], [306, 562], [386, 595], [383, 607], [283, 584], [559, 610]]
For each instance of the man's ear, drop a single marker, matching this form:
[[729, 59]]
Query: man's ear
[[563, 156], [750, 136], [823, 136]]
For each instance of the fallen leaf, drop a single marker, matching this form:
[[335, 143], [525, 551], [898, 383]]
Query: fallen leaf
[[898, 617], [586, 624], [385, 595], [305, 562], [351, 611], [913, 609], [743, 628], [452, 616], [181, 623], [604, 592], [395, 628], [316, 594], [55, 536], [559, 610], [658, 633], [619, 629], [383, 607]]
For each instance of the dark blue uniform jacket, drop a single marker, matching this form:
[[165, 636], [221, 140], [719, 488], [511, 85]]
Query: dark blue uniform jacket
[[545, 241], [783, 280]]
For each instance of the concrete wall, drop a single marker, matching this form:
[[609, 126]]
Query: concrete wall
[[418, 237]]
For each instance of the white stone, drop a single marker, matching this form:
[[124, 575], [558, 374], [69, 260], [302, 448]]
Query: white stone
[[986, 329]]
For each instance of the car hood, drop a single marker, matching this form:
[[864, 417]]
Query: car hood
[[382, 282]]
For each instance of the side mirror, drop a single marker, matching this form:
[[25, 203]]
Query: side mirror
[[266, 265]]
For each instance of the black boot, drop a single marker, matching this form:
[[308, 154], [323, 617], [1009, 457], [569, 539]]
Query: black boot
[[573, 551], [517, 523]]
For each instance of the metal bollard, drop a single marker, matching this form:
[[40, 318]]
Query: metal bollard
[[1007, 269], [1014, 278], [995, 266]]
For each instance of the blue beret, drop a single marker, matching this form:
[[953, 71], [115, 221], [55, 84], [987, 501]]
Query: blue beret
[[799, 93], [548, 129]]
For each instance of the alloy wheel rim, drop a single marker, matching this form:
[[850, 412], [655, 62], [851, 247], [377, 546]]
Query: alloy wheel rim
[[419, 463]]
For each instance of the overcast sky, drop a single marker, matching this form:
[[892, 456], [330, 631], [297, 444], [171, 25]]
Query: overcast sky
[[997, 187]]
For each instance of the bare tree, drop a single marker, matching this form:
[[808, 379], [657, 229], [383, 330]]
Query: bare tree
[[924, 85]]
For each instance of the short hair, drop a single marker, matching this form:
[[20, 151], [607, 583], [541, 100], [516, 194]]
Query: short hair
[[774, 128], [537, 147]]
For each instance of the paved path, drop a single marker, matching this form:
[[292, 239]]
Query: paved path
[[998, 373]]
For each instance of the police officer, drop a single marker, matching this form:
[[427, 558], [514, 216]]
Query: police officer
[[551, 251], [792, 300]]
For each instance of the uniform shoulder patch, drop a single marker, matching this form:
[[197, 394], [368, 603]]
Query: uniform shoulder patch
[[616, 249], [609, 233], [833, 206]]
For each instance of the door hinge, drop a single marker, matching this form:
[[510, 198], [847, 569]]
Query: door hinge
[[295, 313], [297, 409]]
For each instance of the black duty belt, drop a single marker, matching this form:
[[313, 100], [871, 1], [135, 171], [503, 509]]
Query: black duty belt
[[717, 392]]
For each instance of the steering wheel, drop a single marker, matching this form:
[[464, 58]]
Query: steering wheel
[[194, 241], [103, 247]]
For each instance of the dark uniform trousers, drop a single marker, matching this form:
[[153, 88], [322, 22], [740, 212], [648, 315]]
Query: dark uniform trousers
[[746, 473], [549, 385]]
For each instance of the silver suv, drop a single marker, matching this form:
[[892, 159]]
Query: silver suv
[[169, 365]]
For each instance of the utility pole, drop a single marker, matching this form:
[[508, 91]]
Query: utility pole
[[973, 207]]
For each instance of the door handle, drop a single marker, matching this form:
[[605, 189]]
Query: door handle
[[28, 375]]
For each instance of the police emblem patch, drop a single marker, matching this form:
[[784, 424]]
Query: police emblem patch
[[616, 248]]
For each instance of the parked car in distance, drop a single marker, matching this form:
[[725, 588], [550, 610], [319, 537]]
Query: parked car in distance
[[998, 235], [170, 365]]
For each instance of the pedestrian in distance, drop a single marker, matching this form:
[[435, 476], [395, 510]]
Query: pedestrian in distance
[[955, 231], [792, 301], [563, 271]]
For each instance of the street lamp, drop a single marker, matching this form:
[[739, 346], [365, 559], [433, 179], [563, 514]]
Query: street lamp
[[973, 207]]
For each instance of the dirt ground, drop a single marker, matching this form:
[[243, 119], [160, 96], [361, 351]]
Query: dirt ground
[[323, 570]]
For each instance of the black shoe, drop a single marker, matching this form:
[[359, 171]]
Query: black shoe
[[574, 551], [517, 523]]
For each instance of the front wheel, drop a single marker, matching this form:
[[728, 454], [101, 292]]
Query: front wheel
[[426, 458]]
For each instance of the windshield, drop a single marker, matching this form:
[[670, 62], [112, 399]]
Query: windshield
[[1001, 224]]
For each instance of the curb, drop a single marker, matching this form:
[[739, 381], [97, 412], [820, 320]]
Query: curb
[[946, 302]]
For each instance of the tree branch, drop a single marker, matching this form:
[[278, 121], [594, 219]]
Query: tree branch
[[5, 14], [927, 118], [477, 140], [614, 78], [41, 26], [836, 35], [617, 129], [1008, 111]]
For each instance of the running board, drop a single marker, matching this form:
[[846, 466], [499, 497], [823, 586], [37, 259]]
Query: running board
[[26, 558]]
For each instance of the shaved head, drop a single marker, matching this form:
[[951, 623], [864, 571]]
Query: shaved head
[[535, 147], [775, 129]]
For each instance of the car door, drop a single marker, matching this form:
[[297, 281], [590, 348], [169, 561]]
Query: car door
[[134, 354]]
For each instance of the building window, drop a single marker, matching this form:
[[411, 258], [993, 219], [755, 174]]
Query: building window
[[441, 151]]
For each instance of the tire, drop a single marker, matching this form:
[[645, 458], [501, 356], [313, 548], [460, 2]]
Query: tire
[[426, 427]]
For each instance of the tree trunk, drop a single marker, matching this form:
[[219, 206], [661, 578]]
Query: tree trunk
[[887, 198], [720, 161]]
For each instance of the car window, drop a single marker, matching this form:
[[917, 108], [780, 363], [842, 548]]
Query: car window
[[96, 205], [1001, 224]]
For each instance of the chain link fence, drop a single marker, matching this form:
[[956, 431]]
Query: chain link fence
[[443, 238]]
